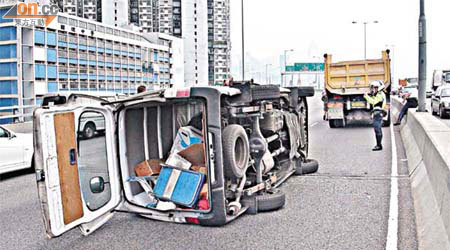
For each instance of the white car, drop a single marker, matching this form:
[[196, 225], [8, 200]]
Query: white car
[[16, 150], [440, 103]]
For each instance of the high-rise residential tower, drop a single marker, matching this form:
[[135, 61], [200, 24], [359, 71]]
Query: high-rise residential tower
[[204, 25], [111, 12], [144, 13], [219, 44]]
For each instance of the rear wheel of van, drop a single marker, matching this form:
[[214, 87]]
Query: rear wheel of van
[[89, 130], [265, 201], [236, 151], [302, 110]]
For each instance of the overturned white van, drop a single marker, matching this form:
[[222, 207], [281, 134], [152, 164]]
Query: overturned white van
[[201, 155]]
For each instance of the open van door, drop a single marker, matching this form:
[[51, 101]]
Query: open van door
[[77, 177]]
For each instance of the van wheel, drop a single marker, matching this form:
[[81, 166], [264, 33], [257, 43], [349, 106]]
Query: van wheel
[[236, 151], [309, 166], [89, 130], [302, 110], [264, 202]]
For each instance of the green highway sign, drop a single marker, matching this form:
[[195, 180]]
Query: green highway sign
[[306, 67]]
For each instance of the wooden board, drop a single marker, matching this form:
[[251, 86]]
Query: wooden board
[[68, 173]]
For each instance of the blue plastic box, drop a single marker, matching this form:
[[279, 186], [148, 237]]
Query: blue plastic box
[[179, 186]]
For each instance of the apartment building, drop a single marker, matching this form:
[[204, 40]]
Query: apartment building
[[144, 13], [111, 12], [203, 25], [219, 45], [76, 54]]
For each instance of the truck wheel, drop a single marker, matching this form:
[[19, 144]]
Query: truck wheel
[[341, 123], [309, 166], [337, 123], [332, 123], [388, 122], [265, 201], [236, 151], [89, 130]]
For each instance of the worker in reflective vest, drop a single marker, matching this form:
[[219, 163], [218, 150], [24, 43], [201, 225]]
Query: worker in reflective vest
[[377, 100]]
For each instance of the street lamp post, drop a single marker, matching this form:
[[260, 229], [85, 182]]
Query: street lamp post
[[392, 46], [243, 47], [365, 35], [282, 78], [422, 58]]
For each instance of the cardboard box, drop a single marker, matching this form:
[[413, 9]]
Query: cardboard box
[[148, 168], [200, 169], [195, 154], [204, 191]]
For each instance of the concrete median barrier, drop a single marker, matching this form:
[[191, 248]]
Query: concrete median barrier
[[24, 127], [427, 144]]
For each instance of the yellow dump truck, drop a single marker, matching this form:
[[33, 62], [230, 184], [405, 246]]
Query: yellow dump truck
[[347, 82]]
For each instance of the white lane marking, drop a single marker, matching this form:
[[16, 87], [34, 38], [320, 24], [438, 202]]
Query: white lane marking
[[314, 124], [392, 241]]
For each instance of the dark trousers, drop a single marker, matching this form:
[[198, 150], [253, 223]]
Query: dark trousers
[[410, 103], [377, 125]]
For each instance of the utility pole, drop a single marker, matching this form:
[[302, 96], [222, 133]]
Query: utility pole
[[365, 40], [365, 35], [284, 70], [267, 74], [243, 47], [422, 58]]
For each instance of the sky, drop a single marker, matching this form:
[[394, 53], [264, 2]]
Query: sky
[[315, 27]]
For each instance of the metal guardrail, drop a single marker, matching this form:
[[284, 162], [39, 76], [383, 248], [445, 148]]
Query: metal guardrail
[[17, 115]]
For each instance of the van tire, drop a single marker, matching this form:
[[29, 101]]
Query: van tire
[[309, 166], [264, 202], [89, 130], [236, 151]]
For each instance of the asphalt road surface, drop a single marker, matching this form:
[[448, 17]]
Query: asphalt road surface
[[343, 206]]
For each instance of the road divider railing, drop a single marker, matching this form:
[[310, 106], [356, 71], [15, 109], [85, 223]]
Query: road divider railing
[[427, 143], [17, 113]]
